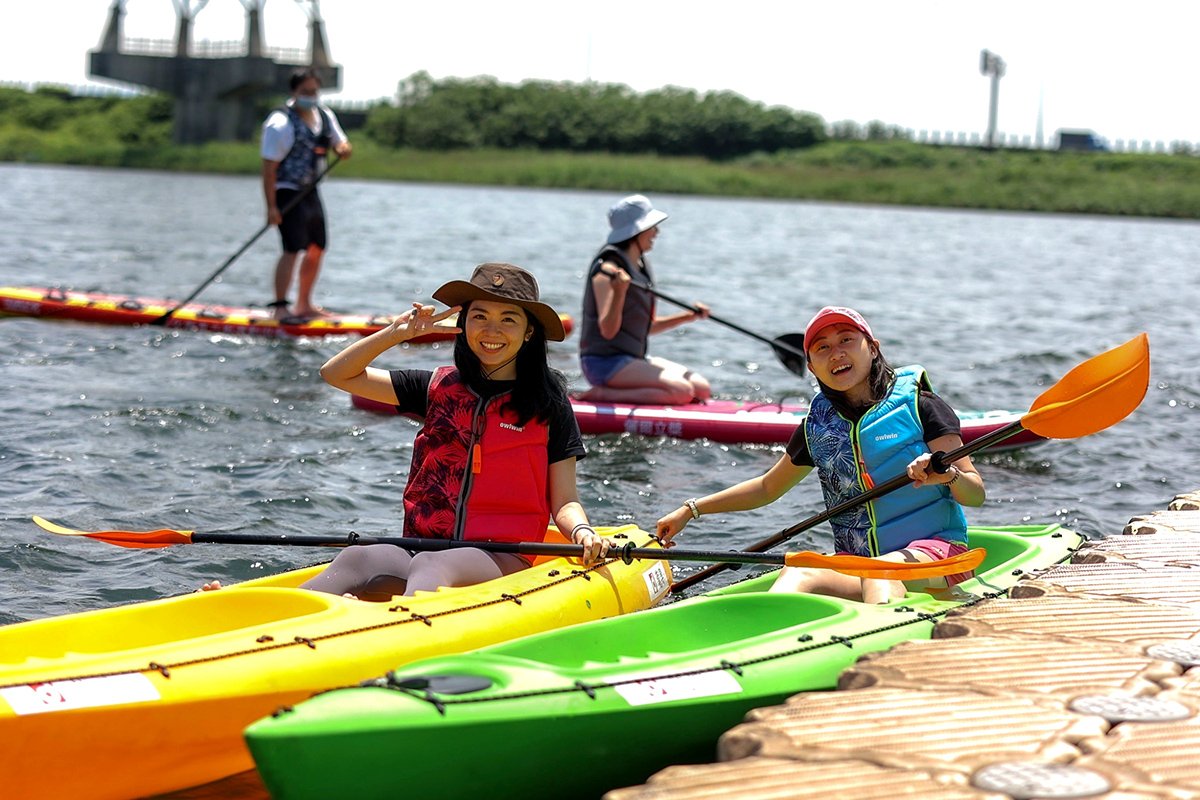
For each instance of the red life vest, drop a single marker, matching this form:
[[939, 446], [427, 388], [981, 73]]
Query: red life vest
[[476, 474]]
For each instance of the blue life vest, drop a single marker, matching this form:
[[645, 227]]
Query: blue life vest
[[852, 457], [299, 166]]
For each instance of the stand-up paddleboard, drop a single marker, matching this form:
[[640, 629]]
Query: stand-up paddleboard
[[112, 309], [735, 421]]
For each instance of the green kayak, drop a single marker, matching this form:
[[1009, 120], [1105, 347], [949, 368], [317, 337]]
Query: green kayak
[[581, 710]]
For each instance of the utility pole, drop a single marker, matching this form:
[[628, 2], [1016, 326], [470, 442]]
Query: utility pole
[[992, 64], [1041, 104]]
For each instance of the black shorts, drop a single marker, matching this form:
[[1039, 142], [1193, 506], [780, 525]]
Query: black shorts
[[304, 225]]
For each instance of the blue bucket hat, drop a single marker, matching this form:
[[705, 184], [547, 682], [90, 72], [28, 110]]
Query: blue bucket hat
[[630, 216]]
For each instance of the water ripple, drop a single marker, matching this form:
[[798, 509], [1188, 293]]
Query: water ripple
[[141, 428]]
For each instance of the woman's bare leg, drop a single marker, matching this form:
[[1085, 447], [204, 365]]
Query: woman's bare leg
[[651, 380]]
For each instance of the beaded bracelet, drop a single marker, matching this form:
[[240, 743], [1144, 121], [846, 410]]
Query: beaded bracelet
[[691, 504]]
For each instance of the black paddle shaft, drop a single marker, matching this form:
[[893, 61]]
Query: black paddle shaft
[[940, 462], [792, 357], [627, 553], [304, 192]]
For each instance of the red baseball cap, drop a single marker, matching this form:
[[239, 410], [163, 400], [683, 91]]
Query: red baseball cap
[[831, 315]]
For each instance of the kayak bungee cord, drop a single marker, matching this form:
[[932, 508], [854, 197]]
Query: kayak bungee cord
[[409, 685], [440, 702], [268, 643]]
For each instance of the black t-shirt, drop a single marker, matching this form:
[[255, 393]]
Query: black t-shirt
[[937, 419], [565, 440]]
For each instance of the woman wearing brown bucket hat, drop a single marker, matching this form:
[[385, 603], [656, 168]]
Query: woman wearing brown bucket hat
[[619, 315], [495, 458]]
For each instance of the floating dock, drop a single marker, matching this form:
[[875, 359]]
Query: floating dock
[[1081, 683]]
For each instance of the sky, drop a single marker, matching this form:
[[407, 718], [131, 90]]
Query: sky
[[1124, 70]]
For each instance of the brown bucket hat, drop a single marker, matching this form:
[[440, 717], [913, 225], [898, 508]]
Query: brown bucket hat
[[504, 283]]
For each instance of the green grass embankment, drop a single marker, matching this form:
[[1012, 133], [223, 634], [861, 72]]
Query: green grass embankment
[[891, 173]]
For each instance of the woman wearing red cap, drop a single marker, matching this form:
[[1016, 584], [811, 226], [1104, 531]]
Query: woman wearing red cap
[[495, 457], [867, 423]]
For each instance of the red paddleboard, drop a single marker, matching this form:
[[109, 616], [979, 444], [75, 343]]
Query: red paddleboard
[[735, 422], [111, 309]]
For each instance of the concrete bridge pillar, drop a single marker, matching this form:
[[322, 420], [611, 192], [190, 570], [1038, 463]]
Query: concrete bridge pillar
[[111, 40], [216, 98], [254, 40]]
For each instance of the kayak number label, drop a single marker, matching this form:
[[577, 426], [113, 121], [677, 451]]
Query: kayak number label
[[657, 582], [110, 690], [682, 687]]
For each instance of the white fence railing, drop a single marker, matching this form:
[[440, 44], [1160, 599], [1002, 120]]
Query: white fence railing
[[1026, 142], [206, 48]]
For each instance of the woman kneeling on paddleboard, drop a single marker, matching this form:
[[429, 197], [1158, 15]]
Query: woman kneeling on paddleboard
[[495, 458], [619, 315], [867, 423]]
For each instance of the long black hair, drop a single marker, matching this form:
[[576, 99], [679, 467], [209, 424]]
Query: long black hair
[[879, 383], [539, 388]]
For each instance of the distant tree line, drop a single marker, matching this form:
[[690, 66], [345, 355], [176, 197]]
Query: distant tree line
[[457, 113], [54, 123], [54, 111], [871, 163]]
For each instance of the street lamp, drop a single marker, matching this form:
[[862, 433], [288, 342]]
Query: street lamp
[[992, 64]]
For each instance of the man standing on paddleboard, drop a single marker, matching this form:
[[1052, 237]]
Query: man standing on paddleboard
[[294, 143]]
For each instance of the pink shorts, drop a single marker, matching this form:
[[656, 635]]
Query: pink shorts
[[937, 549]]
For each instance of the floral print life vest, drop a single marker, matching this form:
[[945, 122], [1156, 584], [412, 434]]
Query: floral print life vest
[[853, 457], [299, 166], [476, 474]]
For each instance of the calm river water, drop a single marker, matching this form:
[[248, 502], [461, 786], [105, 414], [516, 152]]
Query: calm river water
[[140, 428]]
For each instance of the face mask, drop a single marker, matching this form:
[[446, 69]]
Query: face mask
[[306, 101]]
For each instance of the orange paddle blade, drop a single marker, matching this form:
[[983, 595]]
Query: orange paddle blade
[[164, 537], [1095, 394], [863, 567]]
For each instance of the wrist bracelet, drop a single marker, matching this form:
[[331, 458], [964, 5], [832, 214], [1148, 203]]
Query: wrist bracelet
[[691, 505], [957, 475], [575, 530]]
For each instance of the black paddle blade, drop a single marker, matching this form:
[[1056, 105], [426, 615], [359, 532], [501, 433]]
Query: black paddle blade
[[789, 348]]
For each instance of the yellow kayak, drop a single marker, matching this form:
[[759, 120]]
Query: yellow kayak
[[153, 697]]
